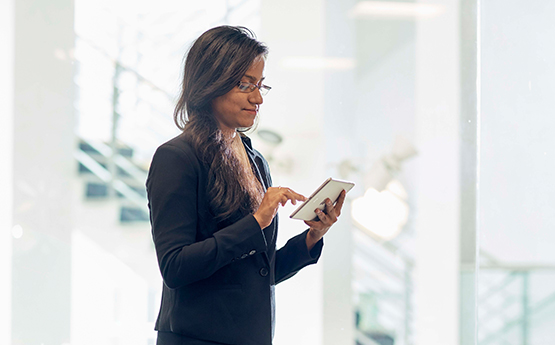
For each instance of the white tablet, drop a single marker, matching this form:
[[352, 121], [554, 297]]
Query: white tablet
[[331, 188]]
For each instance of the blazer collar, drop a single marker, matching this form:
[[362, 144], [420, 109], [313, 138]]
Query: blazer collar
[[257, 162], [246, 141]]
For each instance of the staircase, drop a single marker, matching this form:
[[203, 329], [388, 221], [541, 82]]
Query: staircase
[[110, 175], [383, 288]]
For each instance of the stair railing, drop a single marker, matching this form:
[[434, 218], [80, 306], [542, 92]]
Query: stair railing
[[514, 291], [392, 289], [137, 175]]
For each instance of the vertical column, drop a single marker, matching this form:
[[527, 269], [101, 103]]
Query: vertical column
[[6, 157], [437, 222], [42, 168], [469, 134], [338, 311], [339, 122]]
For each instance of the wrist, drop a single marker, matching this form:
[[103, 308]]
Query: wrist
[[259, 220], [312, 237]]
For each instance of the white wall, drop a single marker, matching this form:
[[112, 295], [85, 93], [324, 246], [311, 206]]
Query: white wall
[[6, 172], [43, 165], [517, 193]]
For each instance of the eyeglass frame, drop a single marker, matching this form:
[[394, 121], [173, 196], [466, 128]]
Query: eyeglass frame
[[246, 87]]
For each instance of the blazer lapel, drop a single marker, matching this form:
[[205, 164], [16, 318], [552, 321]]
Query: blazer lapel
[[261, 175]]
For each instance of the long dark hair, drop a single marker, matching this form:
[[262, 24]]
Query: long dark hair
[[214, 65]]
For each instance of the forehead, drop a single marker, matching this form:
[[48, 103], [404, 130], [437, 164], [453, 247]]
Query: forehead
[[256, 70]]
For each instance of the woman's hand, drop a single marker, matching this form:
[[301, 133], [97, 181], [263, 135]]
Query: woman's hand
[[327, 218], [272, 199]]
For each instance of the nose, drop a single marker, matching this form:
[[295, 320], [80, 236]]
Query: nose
[[255, 97]]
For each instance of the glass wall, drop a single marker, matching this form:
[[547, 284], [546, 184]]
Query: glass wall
[[438, 111]]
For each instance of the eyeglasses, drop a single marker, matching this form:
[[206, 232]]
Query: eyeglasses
[[249, 87]]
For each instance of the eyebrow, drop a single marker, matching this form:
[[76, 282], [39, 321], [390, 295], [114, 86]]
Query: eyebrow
[[253, 78]]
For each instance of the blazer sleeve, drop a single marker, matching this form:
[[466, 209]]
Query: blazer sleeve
[[294, 255], [172, 188]]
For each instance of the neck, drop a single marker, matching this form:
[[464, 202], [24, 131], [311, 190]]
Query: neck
[[228, 134]]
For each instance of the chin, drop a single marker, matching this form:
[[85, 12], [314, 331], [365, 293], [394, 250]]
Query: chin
[[247, 124]]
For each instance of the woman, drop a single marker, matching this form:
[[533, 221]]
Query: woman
[[212, 208]]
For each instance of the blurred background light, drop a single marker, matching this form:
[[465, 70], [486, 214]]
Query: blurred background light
[[17, 231], [383, 210], [395, 9], [382, 214], [386, 168], [318, 63]]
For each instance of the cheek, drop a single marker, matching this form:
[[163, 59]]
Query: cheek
[[228, 104], [233, 105], [220, 105]]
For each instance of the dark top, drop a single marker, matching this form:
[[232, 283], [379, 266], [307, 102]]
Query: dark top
[[218, 278]]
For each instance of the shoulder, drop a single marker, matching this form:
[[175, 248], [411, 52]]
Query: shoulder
[[180, 145], [176, 151]]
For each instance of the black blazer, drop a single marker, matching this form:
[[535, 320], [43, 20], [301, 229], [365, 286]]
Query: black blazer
[[218, 278]]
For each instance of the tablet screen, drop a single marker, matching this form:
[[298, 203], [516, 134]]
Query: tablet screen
[[331, 188]]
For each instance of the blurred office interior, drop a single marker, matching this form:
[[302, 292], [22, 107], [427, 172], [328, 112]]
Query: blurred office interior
[[440, 111]]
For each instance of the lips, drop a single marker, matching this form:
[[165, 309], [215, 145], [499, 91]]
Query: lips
[[251, 111]]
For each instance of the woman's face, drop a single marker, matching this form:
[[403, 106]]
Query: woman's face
[[237, 109]]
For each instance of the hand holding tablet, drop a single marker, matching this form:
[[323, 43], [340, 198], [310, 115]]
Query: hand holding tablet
[[331, 188]]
